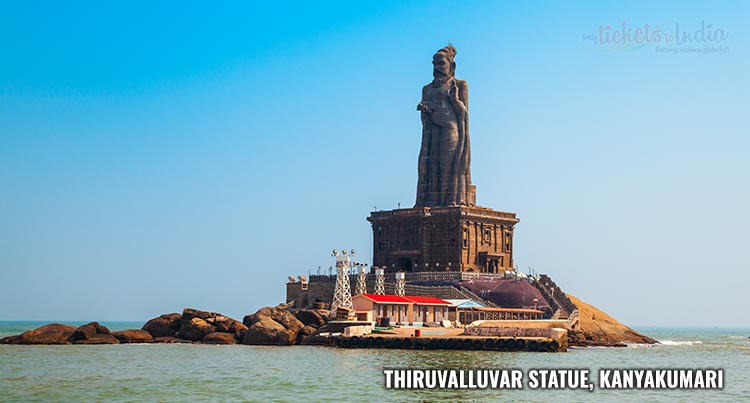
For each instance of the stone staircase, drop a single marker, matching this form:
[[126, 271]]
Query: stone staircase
[[562, 305]]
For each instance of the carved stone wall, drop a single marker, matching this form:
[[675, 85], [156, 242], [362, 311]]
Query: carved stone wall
[[456, 238]]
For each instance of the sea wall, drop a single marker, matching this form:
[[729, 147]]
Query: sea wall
[[557, 334]]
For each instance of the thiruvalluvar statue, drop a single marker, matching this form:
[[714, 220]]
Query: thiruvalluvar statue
[[445, 157]]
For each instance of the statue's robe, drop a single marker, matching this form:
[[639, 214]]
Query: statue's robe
[[445, 156]]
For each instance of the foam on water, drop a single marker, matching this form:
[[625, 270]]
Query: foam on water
[[679, 343]]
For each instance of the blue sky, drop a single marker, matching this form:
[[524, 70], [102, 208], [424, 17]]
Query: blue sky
[[154, 157]]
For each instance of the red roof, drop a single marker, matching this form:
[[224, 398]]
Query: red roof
[[427, 300], [387, 298], [395, 299]]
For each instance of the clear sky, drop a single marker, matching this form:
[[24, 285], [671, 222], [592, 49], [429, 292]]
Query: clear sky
[[154, 157]]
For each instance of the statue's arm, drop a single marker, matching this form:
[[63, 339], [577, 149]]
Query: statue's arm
[[423, 107], [463, 93], [460, 96]]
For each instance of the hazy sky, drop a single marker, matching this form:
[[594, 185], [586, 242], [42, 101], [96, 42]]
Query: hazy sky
[[158, 157]]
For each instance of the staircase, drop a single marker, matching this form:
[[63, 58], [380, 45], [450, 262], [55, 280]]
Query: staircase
[[563, 306]]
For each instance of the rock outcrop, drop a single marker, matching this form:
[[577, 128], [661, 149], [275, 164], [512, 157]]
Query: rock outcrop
[[267, 331], [599, 329], [54, 333], [312, 317], [192, 325], [195, 329], [219, 338], [93, 333], [166, 325], [87, 331], [195, 324], [133, 336], [272, 326]]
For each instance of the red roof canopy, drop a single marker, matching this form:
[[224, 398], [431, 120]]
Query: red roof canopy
[[395, 299], [385, 298], [427, 300]]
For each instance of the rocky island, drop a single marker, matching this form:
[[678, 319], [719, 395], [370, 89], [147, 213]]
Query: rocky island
[[450, 263]]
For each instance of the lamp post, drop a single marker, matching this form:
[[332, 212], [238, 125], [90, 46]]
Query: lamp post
[[342, 295], [400, 284], [379, 281]]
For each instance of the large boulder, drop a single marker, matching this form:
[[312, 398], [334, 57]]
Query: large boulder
[[282, 316], [195, 329], [274, 326], [248, 320], [89, 330], [53, 333], [228, 325], [311, 317], [267, 331], [166, 325], [220, 322], [133, 336], [219, 338], [307, 330], [192, 325]]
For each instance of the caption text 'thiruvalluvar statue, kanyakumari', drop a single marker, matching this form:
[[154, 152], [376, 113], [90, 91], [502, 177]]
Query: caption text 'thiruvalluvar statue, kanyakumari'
[[445, 230]]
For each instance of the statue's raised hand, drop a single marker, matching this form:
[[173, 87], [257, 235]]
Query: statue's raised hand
[[453, 91]]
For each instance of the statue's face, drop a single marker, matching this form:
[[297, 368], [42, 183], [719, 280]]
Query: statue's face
[[442, 65]]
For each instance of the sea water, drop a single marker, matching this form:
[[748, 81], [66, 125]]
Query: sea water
[[185, 372]]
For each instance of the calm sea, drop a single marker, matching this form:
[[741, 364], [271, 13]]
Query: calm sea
[[159, 372]]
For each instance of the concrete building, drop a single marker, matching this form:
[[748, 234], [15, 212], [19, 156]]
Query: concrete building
[[461, 305], [413, 310]]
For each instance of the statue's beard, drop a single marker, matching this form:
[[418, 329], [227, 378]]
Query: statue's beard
[[440, 76]]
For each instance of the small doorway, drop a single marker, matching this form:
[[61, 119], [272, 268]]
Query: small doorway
[[405, 264]]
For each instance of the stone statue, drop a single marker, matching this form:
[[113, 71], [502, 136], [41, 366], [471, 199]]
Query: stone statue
[[445, 156]]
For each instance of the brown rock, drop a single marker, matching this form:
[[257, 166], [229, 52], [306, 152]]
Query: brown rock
[[87, 331], [310, 317], [229, 325], [283, 317], [267, 331], [307, 330], [190, 313], [248, 320], [266, 327], [219, 338], [598, 328], [133, 336], [195, 329], [53, 333], [99, 339], [163, 326]]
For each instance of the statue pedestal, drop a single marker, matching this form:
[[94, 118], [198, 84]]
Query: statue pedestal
[[455, 238]]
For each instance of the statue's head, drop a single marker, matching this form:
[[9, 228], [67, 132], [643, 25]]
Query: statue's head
[[443, 63]]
